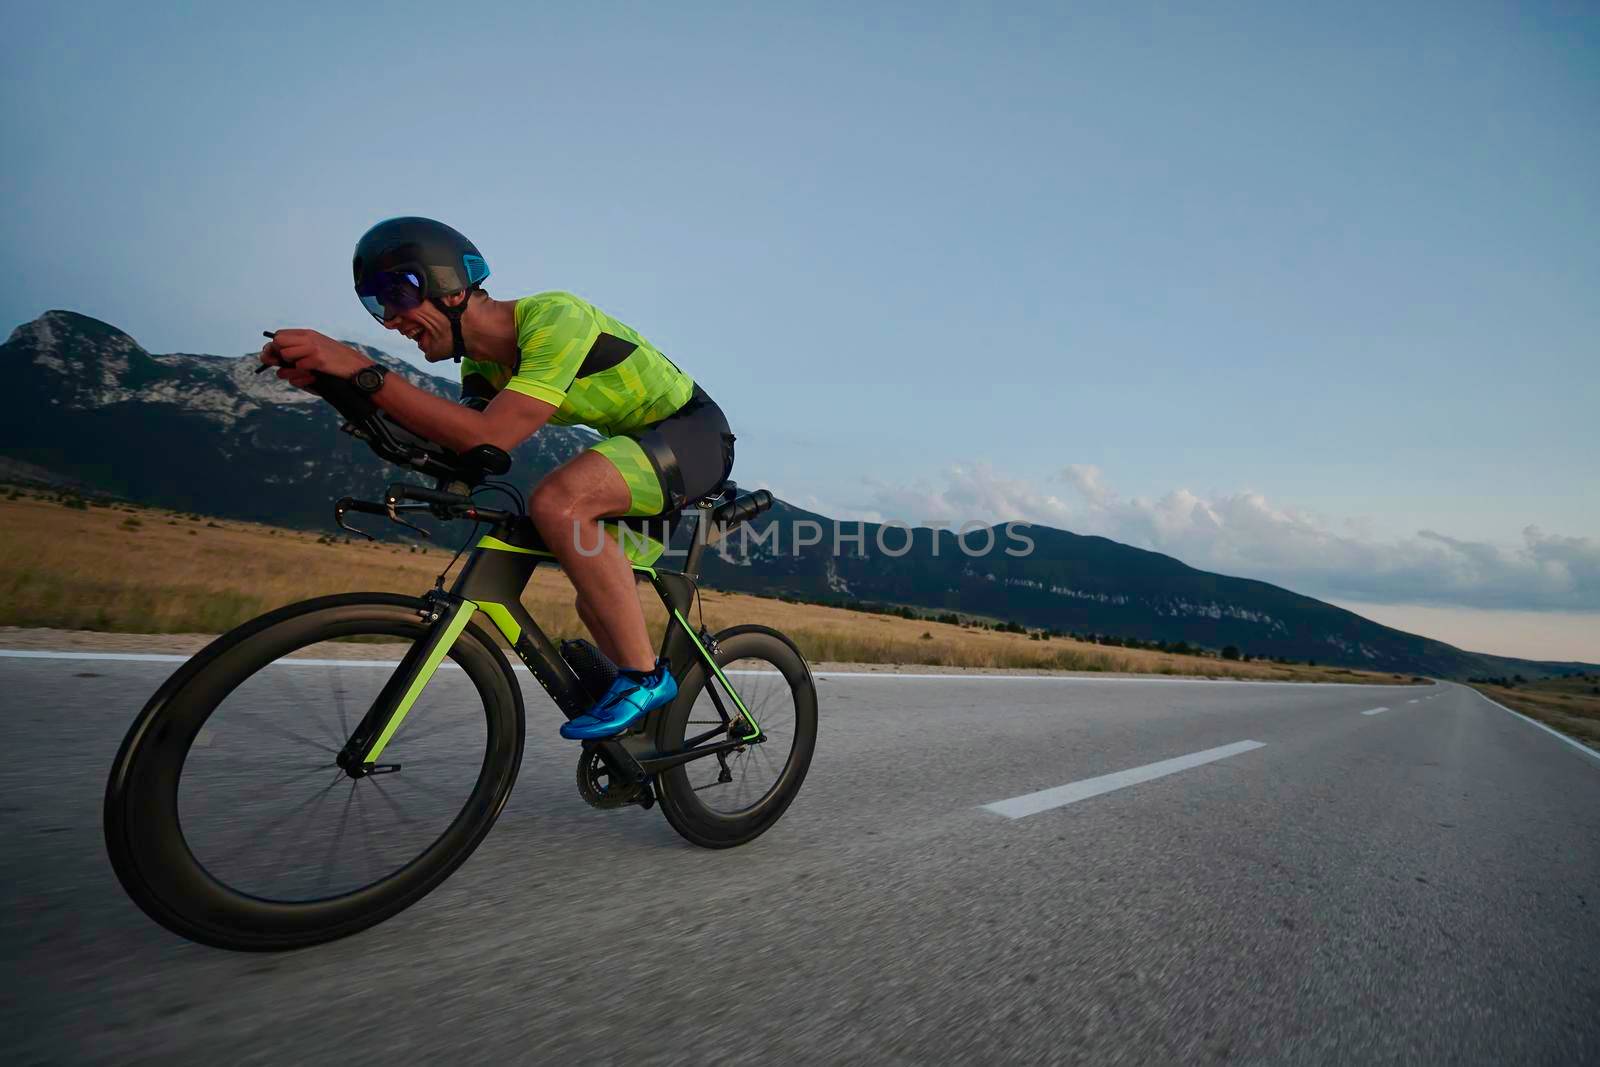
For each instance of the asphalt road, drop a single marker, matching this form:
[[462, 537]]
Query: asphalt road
[[1418, 885]]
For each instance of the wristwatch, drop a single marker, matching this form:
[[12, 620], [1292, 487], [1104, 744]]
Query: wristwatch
[[369, 379]]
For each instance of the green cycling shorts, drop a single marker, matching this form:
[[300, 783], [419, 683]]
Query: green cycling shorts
[[667, 465]]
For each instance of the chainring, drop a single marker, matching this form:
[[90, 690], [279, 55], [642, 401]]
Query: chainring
[[594, 784]]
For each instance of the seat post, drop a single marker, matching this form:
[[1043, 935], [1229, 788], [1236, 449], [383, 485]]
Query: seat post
[[697, 544], [702, 526]]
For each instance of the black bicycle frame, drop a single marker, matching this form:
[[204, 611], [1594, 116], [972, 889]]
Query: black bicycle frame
[[492, 581]]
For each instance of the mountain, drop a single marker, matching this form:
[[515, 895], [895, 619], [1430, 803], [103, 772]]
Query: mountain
[[1068, 582], [84, 405]]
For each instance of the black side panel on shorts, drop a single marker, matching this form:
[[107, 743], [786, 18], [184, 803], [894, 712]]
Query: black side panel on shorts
[[659, 452], [691, 450]]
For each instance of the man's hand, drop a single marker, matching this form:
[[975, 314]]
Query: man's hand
[[297, 353]]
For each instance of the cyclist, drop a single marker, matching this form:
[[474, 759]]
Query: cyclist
[[548, 358]]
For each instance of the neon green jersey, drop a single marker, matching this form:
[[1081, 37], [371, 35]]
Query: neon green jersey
[[596, 371]]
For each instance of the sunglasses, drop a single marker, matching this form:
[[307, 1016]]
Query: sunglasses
[[386, 294]]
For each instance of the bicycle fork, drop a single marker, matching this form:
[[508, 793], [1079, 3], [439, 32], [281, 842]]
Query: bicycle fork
[[359, 757]]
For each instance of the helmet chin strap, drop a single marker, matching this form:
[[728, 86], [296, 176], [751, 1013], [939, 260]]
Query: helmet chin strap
[[459, 343]]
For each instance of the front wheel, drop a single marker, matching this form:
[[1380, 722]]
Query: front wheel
[[229, 822], [729, 799]]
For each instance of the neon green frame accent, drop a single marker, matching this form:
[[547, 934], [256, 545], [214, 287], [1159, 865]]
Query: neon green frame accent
[[755, 727], [487, 541], [501, 618], [452, 630]]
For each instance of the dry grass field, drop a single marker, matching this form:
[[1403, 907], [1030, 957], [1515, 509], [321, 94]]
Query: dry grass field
[[1571, 705], [126, 569]]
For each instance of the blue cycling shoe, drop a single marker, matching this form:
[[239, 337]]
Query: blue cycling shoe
[[631, 697]]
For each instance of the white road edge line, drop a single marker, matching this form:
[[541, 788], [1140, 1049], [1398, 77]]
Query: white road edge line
[[151, 657], [1375, 711], [1557, 734], [1094, 679], [1061, 795]]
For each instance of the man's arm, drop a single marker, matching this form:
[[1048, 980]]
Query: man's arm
[[510, 419]]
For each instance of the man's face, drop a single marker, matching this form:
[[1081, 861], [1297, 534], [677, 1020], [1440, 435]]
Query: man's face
[[427, 326]]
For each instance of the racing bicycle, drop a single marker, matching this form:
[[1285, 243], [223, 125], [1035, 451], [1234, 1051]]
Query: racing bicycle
[[319, 769]]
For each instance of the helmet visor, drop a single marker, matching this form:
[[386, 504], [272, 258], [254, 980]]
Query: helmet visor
[[387, 293]]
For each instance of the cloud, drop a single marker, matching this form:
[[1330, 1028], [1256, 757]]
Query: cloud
[[1247, 535], [1086, 479]]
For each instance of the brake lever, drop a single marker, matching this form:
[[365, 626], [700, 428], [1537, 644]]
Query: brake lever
[[392, 508], [345, 504], [342, 506]]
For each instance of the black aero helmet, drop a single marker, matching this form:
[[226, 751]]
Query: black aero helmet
[[401, 262]]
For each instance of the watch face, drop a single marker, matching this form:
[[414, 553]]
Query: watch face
[[369, 379]]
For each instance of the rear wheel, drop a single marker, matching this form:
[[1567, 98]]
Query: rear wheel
[[229, 823], [719, 802]]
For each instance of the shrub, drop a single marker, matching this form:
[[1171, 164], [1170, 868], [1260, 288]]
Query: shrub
[[1230, 652]]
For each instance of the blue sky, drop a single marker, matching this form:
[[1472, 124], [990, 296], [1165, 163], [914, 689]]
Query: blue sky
[[1296, 295]]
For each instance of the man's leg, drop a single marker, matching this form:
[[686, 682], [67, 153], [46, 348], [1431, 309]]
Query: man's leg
[[597, 628], [566, 508]]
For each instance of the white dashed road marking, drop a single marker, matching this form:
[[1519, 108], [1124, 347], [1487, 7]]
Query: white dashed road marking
[[1061, 795]]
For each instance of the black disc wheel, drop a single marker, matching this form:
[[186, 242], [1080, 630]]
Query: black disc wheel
[[727, 799], [228, 820]]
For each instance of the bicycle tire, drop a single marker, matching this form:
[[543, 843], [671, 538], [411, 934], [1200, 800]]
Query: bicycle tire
[[689, 815], [144, 836]]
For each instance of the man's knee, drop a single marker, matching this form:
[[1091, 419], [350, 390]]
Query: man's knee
[[553, 506]]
